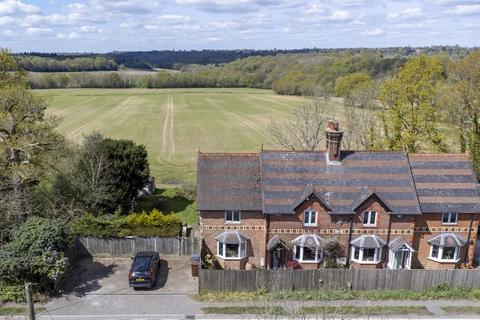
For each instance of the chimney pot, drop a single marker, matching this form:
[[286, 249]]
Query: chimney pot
[[333, 138]]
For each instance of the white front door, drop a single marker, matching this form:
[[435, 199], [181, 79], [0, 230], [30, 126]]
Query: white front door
[[401, 259]]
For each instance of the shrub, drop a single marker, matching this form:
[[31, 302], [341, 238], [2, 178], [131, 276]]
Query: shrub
[[90, 226], [35, 253], [153, 224], [12, 293]]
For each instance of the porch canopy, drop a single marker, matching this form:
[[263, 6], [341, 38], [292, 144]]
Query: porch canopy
[[447, 240], [399, 243], [311, 241], [231, 237], [274, 242], [368, 241]]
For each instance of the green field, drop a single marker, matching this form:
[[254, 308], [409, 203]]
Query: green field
[[174, 123]]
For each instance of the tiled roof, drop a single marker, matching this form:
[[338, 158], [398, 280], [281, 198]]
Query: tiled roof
[[287, 175], [228, 182], [276, 182], [448, 240], [311, 241], [445, 183], [368, 241], [231, 237], [398, 243]]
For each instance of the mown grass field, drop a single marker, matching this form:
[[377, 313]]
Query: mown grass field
[[175, 123]]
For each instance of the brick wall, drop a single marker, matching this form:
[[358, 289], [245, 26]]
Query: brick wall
[[252, 224]]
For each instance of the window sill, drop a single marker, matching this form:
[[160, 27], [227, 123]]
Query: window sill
[[449, 224], [301, 261], [232, 222], [230, 258], [370, 225], [366, 262], [443, 261], [310, 225]]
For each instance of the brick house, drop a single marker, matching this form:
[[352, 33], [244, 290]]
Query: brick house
[[386, 209]]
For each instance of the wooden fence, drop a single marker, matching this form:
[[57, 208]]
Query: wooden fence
[[335, 279], [92, 246]]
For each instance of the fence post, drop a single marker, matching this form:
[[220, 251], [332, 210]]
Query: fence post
[[28, 294]]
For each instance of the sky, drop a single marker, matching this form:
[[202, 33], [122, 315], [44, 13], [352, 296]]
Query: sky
[[127, 25]]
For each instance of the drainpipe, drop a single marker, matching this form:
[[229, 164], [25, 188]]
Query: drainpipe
[[465, 260], [388, 239], [267, 229], [349, 241]]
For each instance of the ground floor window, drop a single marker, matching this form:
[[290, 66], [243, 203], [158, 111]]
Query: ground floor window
[[366, 255], [306, 254], [231, 250], [444, 253]]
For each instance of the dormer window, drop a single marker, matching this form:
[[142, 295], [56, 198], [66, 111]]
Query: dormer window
[[370, 218], [310, 218], [450, 218], [232, 216]]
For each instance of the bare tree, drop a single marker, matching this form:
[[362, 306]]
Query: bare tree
[[306, 130]]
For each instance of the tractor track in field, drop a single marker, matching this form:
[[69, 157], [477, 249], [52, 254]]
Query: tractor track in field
[[103, 116], [168, 140], [242, 120]]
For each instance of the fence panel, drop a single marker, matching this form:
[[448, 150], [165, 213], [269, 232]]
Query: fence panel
[[335, 279], [91, 246]]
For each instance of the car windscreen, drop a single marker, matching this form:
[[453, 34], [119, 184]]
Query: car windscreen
[[141, 263]]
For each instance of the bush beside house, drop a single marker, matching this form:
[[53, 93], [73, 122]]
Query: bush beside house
[[152, 224]]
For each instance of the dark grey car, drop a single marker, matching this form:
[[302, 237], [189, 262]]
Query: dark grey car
[[144, 270]]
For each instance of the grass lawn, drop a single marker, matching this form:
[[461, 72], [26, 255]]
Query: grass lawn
[[171, 200], [363, 310], [11, 311], [300, 295], [175, 123], [275, 310], [459, 310]]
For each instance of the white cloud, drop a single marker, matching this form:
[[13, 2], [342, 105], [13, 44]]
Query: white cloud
[[374, 32], [338, 16], [17, 6], [405, 14], [6, 20], [7, 33], [173, 19], [89, 29], [37, 31], [315, 8], [73, 35], [124, 6], [467, 9], [239, 5]]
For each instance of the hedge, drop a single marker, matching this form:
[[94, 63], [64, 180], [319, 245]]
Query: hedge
[[152, 224]]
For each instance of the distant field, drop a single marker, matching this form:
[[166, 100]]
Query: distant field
[[174, 123]]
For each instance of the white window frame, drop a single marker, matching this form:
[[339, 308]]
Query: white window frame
[[438, 258], [310, 223], [233, 212], [377, 255], [449, 216], [369, 214], [318, 255], [391, 258], [242, 251]]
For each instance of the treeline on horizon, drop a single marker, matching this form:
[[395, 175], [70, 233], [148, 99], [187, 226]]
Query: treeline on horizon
[[174, 59], [288, 74]]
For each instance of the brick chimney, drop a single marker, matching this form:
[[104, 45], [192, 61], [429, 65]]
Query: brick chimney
[[333, 138]]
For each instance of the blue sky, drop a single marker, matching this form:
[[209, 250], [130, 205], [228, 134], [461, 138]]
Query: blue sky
[[106, 25]]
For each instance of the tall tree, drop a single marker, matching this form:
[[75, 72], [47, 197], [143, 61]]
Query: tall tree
[[27, 142], [306, 130], [409, 117], [461, 99]]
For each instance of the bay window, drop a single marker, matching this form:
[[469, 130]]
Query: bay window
[[307, 248], [231, 245], [446, 247], [367, 249]]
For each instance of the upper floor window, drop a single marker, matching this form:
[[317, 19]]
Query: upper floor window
[[370, 218], [450, 218], [310, 218], [232, 216]]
